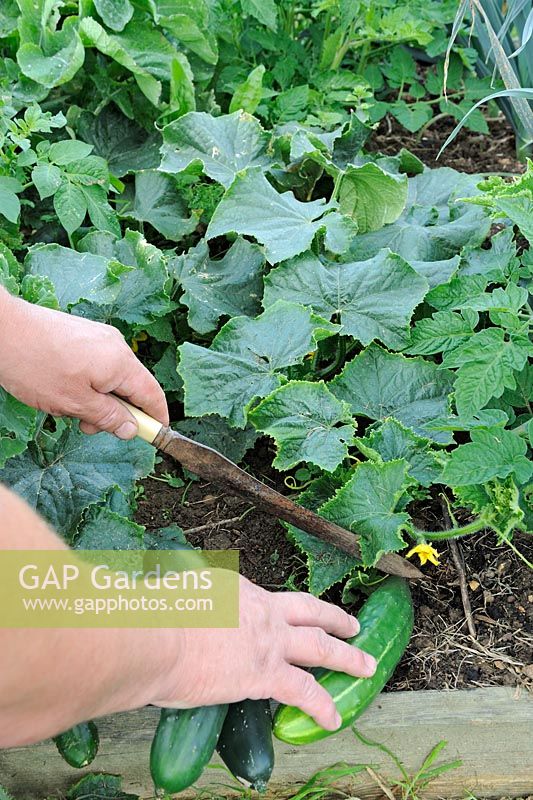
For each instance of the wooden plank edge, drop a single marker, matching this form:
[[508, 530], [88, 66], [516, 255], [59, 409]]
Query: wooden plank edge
[[490, 729]]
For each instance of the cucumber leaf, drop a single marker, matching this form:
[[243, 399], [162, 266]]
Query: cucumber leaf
[[103, 529], [284, 225], [222, 145], [378, 384], [112, 279], [64, 472], [308, 424], [367, 504], [374, 299], [433, 227], [158, 202], [246, 360], [392, 441], [231, 286], [371, 196]]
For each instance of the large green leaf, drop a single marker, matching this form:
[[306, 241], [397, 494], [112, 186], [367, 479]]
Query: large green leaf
[[374, 299], [436, 272], [371, 196], [367, 504], [73, 275], [94, 35], [199, 39], [433, 226], [492, 453], [215, 432], [486, 364], [114, 13], [284, 225], [158, 202], [308, 423], [264, 11], [378, 384], [142, 295], [61, 474], [125, 145], [103, 529], [392, 441], [231, 286], [118, 279], [46, 56], [222, 145], [246, 359]]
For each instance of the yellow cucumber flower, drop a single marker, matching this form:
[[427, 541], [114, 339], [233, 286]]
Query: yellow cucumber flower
[[425, 552]]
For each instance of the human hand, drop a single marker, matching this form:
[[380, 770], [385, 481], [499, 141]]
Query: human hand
[[70, 366], [278, 633]]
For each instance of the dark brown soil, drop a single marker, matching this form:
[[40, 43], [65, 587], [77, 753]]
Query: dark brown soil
[[469, 152], [441, 653]]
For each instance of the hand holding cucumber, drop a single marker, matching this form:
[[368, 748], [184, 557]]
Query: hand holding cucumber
[[279, 633]]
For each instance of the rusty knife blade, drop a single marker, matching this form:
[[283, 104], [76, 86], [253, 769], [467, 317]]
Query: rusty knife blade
[[213, 466]]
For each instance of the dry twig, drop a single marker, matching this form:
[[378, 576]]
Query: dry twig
[[459, 566]]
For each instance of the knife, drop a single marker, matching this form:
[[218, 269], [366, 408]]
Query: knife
[[213, 466]]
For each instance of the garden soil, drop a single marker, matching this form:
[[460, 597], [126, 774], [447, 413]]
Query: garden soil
[[442, 654]]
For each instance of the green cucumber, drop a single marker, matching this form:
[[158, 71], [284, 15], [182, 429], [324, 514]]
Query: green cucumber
[[183, 744], [245, 744], [386, 621], [78, 745]]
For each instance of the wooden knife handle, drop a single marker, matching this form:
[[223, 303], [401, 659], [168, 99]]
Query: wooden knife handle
[[149, 428]]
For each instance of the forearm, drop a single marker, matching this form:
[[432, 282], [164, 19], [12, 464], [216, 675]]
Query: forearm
[[51, 679]]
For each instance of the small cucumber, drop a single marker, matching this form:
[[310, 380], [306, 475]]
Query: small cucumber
[[183, 744], [386, 621], [79, 745], [245, 744]]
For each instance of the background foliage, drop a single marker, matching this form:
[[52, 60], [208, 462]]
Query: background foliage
[[165, 170]]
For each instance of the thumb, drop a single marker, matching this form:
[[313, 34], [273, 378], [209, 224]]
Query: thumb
[[104, 413]]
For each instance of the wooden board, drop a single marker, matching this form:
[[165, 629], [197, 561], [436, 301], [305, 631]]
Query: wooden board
[[491, 730]]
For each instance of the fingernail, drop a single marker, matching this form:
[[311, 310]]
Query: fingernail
[[337, 721], [356, 626], [370, 664], [126, 431]]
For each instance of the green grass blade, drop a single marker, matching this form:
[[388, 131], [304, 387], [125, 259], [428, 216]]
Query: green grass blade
[[525, 93]]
